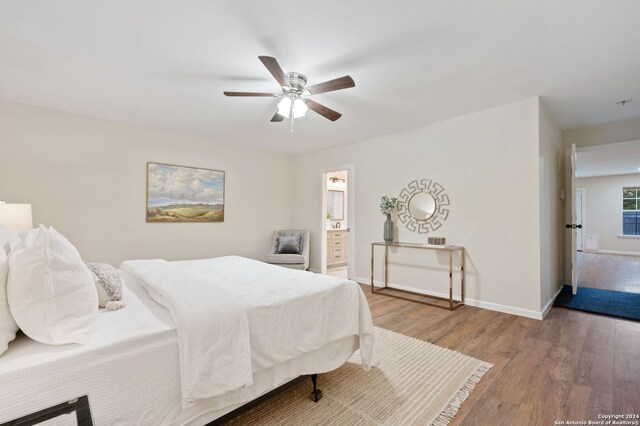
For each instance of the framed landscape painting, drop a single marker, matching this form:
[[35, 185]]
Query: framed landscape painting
[[184, 194]]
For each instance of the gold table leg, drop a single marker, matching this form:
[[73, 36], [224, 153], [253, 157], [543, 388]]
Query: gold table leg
[[451, 281], [372, 256], [462, 274], [386, 265]]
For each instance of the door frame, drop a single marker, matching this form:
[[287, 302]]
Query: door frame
[[351, 217], [583, 219], [574, 230]]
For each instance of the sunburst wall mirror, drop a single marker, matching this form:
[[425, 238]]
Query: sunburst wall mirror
[[423, 206]]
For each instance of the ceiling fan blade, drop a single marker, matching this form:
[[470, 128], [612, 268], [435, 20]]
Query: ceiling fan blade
[[277, 117], [332, 85], [323, 110], [249, 94], [274, 68]]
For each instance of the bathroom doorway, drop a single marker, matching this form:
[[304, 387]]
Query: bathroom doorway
[[337, 214]]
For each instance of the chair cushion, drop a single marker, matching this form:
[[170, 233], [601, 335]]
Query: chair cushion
[[285, 258], [289, 245]]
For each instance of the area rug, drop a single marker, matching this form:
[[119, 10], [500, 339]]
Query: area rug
[[607, 302], [412, 382]]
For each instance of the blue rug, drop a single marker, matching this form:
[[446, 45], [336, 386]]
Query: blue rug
[[605, 302]]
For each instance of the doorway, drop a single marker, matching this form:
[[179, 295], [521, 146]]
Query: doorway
[[607, 192], [605, 188], [337, 217]]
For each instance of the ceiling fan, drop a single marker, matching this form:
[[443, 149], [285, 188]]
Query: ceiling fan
[[295, 102]]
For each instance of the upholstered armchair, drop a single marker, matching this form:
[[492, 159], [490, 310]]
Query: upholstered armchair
[[290, 260]]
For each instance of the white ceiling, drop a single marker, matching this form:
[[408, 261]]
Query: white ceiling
[[165, 63], [606, 160]]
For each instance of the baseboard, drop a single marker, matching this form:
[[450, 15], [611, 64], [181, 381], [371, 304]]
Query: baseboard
[[624, 253], [471, 302], [549, 304]]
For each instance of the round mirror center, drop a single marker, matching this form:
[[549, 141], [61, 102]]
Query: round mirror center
[[422, 206]]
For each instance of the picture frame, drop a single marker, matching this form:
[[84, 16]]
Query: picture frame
[[182, 194]]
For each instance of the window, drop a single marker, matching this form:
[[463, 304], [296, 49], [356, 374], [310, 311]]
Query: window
[[631, 211]]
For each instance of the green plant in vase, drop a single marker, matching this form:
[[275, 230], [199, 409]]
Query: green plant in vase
[[387, 205]]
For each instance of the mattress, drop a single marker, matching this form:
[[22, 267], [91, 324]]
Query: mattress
[[129, 369]]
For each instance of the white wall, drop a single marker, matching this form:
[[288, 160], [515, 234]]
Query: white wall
[[487, 163], [87, 178], [551, 207], [603, 197]]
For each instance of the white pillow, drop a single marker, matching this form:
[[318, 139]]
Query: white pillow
[[51, 292], [9, 238], [8, 326]]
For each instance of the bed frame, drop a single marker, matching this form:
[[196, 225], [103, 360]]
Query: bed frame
[[82, 407], [316, 395], [79, 405]]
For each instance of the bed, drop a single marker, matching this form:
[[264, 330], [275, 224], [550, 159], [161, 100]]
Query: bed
[[130, 368]]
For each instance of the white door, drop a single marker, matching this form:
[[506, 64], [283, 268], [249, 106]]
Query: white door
[[580, 218], [574, 222]]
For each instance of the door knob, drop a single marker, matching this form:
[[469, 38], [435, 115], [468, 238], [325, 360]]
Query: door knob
[[573, 226]]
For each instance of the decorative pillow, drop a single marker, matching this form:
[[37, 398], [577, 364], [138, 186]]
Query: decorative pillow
[[289, 245], [108, 284], [51, 293], [8, 326]]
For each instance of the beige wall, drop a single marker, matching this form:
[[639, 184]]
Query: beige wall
[[488, 165], [86, 177], [551, 207], [621, 131], [603, 196]]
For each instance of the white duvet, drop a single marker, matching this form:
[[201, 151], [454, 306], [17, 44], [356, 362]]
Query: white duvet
[[236, 315]]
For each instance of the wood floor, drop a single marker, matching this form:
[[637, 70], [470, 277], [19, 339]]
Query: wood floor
[[571, 366], [609, 272]]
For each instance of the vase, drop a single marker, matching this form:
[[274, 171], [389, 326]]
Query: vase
[[388, 230]]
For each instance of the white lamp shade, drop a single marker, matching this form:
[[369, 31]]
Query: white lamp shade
[[16, 216], [299, 107]]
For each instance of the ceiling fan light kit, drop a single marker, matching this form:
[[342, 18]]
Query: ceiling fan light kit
[[295, 93], [289, 105]]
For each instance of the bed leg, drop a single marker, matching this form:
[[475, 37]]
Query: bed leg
[[316, 394]]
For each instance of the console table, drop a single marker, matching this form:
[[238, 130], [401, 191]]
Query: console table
[[453, 304]]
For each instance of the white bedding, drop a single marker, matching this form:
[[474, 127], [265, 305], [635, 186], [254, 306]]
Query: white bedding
[[212, 326], [129, 369], [221, 304]]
